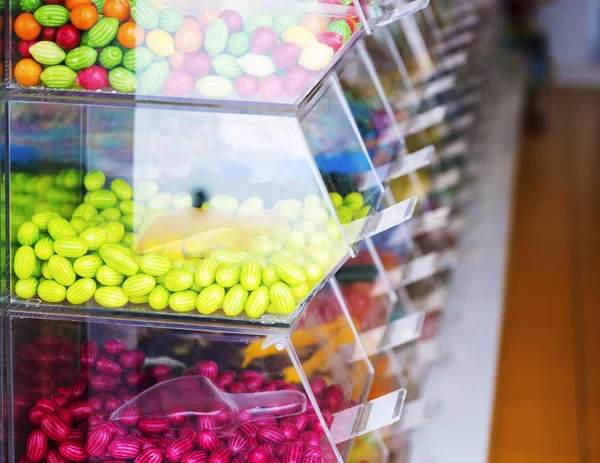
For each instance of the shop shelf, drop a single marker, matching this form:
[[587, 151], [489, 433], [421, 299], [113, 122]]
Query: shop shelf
[[79, 364], [294, 193]]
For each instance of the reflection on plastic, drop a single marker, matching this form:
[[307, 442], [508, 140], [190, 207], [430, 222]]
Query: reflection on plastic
[[197, 396]]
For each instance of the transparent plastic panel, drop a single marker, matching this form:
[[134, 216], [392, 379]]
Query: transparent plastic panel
[[84, 389], [341, 157], [419, 63], [370, 109], [392, 73], [264, 51], [370, 447], [212, 226], [369, 296], [382, 12]]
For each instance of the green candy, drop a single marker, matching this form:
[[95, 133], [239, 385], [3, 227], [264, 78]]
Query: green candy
[[170, 20], [81, 58], [110, 57], [138, 59], [238, 44], [122, 80]]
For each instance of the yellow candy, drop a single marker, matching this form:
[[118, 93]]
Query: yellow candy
[[299, 35], [315, 57], [160, 42]]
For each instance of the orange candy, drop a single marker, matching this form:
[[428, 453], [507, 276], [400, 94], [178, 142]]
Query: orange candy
[[26, 27], [71, 4], [188, 40], [176, 60], [84, 17], [315, 23], [190, 22], [27, 72], [118, 9], [130, 35], [210, 16]]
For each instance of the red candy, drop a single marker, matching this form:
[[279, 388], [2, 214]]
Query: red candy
[[331, 39], [48, 33], [67, 37], [24, 46]]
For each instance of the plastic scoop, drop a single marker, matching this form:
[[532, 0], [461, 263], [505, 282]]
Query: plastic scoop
[[197, 396], [196, 232]]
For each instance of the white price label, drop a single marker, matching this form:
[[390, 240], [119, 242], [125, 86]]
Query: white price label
[[455, 148], [420, 268], [412, 162], [424, 120], [448, 179], [439, 86], [363, 228]]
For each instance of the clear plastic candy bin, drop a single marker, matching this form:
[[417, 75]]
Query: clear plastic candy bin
[[262, 51], [83, 389], [204, 214]]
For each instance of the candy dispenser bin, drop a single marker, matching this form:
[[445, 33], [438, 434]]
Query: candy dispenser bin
[[115, 215], [89, 389]]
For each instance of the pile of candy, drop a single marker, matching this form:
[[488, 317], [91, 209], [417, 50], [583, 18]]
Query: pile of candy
[[143, 47], [93, 250], [73, 424]]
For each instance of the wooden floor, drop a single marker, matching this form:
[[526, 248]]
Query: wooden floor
[[548, 390]]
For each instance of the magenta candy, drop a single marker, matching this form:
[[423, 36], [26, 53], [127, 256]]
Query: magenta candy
[[208, 441], [236, 444], [177, 449], [318, 386], [263, 40], [176, 416], [333, 398], [153, 426], [197, 64], [132, 359], [124, 448], [205, 422], [88, 354], [297, 81], [290, 431], [24, 46], [104, 364], [271, 435], [228, 377], [246, 87], [271, 88], [160, 372], [310, 439], [207, 368], [258, 455], [67, 37], [236, 388], [285, 55], [197, 456], [248, 430], [135, 379], [332, 40], [234, 20], [314, 452], [112, 404], [220, 455], [179, 83], [114, 346]]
